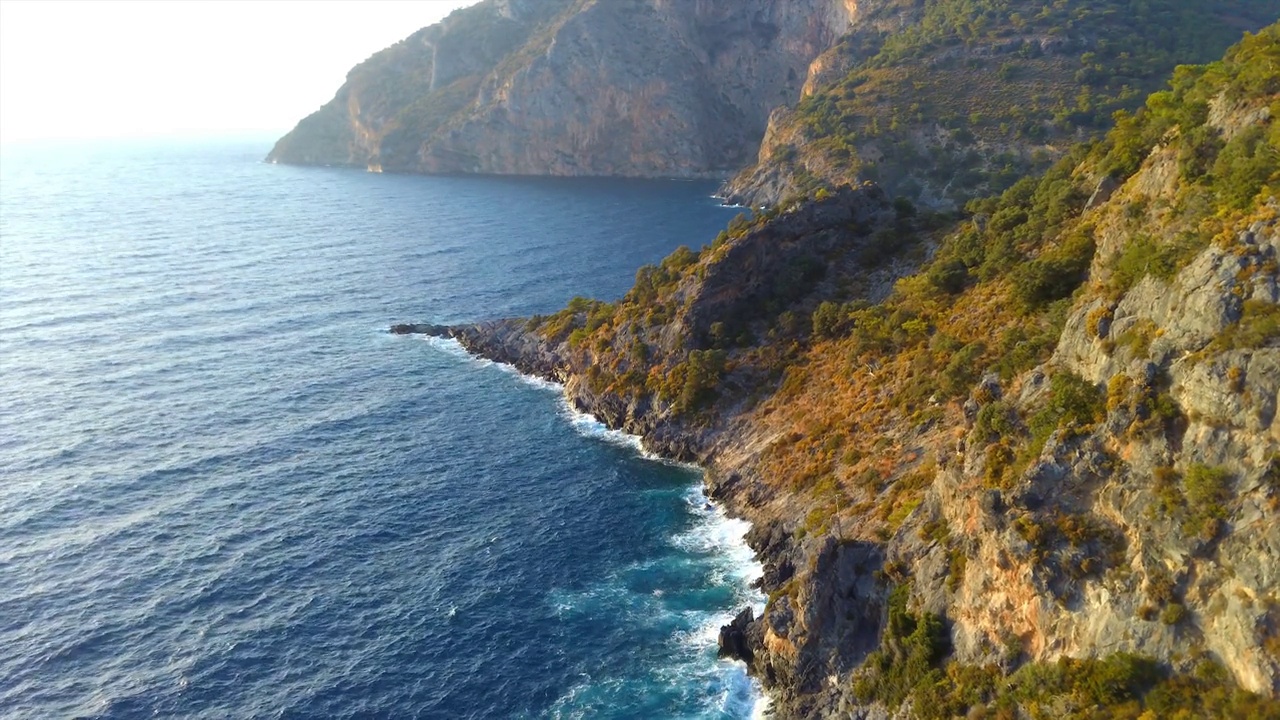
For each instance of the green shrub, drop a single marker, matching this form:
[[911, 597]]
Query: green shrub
[[1259, 326], [963, 370], [1173, 614], [1073, 403], [1244, 165], [1057, 273], [828, 320], [1144, 256], [911, 649], [996, 420]]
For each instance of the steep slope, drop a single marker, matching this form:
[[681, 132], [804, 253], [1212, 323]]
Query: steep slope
[[1027, 465], [574, 87], [945, 100]]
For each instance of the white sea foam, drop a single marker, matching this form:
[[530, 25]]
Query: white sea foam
[[588, 426], [724, 202], [714, 534], [531, 380], [452, 347], [760, 709], [718, 535]]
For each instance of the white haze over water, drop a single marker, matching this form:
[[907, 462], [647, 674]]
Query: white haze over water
[[126, 69]]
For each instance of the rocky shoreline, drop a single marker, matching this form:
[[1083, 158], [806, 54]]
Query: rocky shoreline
[[845, 592], [507, 341]]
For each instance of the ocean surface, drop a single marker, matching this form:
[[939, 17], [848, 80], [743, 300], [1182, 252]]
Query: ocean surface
[[227, 492]]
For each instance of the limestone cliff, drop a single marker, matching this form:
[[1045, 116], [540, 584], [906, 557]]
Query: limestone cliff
[[1024, 463], [679, 88]]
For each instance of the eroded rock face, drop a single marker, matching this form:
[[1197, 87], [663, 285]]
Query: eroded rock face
[[1153, 527], [678, 88]]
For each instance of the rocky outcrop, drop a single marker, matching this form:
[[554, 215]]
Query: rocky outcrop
[[769, 265], [672, 88], [1115, 493], [1169, 572]]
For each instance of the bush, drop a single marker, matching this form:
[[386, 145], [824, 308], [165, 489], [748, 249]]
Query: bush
[[950, 276], [1207, 489], [1145, 256], [1259, 326], [912, 647], [963, 370], [1244, 166], [1173, 614], [996, 420], [1073, 403], [1056, 274], [828, 320]]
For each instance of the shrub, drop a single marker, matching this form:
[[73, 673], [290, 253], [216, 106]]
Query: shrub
[[1055, 275], [1145, 256], [1244, 166], [963, 370], [995, 419], [1207, 490], [1073, 403], [911, 649], [828, 320], [950, 276], [1259, 326], [1173, 614]]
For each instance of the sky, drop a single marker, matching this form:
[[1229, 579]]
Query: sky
[[107, 68]]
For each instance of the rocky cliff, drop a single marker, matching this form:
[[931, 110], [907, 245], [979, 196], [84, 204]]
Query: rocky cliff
[[945, 101], [1026, 464], [679, 88]]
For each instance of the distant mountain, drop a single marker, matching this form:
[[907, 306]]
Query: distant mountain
[[937, 100], [575, 87]]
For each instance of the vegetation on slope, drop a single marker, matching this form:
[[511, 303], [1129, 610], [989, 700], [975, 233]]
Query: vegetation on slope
[[867, 396], [995, 294], [993, 298], [910, 667], [978, 93], [881, 391]]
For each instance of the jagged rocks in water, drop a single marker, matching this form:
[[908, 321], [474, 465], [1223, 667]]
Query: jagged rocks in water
[[733, 637], [419, 329]]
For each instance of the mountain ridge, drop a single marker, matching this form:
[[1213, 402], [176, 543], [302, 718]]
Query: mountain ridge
[[939, 101], [574, 87]]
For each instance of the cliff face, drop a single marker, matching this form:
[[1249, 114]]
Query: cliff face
[[1026, 463], [678, 88], [942, 102]]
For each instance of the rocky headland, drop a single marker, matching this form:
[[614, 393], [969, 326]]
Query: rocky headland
[[658, 88], [1023, 462]]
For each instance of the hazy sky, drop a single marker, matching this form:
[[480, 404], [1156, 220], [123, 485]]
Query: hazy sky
[[107, 69]]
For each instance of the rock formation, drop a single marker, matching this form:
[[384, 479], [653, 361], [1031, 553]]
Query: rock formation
[[678, 88], [1026, 460]]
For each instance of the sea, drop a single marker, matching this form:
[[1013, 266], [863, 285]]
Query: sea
[[226, 491]]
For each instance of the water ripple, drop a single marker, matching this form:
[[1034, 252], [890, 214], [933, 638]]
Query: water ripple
[[225, 491]]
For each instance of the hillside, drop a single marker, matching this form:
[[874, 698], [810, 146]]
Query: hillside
[[937, 100], [946, 100], [574, 87], [1023, 464]]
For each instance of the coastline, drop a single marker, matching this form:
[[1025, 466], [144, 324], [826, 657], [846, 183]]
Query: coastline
[[590, 425]]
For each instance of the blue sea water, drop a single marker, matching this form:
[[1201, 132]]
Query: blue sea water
[[226, 491]]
